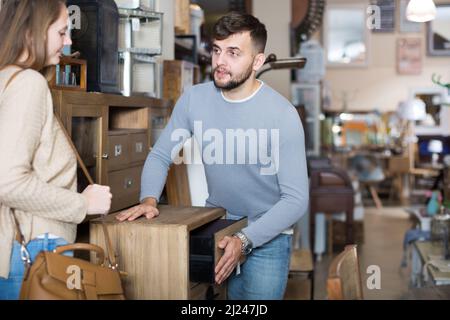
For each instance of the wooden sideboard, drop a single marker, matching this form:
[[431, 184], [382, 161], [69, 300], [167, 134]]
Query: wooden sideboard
[[113, 134], [155, 253]]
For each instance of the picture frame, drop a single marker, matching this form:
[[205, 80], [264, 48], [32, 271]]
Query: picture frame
[[409, 56], [346, 41], [387, 14], [433, 98], [438, 32]]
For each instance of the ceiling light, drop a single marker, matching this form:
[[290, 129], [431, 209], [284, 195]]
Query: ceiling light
[[421, 10]]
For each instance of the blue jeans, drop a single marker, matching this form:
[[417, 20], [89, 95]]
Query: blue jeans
[[10, 287], [264, 274]]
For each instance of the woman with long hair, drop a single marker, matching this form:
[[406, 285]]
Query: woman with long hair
[[37, 165]]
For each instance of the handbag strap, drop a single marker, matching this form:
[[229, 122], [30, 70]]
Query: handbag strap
[[109, 248], [25, 256]]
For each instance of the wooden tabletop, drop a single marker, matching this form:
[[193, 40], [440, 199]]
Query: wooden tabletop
[[428, 293], [191, 217], [428, 249]]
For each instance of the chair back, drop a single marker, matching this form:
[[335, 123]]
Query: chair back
[[344, 277]]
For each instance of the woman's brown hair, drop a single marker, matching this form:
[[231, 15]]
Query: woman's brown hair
[[24, 25]]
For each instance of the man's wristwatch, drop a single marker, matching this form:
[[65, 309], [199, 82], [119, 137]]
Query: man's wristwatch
[[247, 245]]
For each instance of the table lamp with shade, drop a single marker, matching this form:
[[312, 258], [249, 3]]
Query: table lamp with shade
[[435, 147]]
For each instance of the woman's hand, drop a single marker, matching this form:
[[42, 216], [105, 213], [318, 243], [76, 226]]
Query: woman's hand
[[147, 208], [98, 198]]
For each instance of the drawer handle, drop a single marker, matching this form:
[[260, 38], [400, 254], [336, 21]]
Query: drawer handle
[[128, 183], [105, 156], [139, 147], [117, 150]]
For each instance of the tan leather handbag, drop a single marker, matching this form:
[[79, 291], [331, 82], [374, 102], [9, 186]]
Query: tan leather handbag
[[56, 276], [53, 276]]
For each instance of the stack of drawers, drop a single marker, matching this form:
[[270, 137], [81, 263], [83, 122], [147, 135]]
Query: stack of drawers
[[127, 149]]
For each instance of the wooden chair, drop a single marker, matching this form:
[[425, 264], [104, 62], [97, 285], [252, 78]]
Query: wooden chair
[[331, 191], [344, 276], [302, 264]]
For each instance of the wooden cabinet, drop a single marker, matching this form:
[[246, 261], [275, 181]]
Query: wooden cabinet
[[155, 253], [113, 135]]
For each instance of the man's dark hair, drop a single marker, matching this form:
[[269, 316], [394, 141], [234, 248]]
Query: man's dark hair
[[236, 22]]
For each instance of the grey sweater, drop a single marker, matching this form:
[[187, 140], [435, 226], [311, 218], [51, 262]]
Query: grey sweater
[[253, 153]]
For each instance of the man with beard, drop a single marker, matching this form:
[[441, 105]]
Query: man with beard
[[273, 200]]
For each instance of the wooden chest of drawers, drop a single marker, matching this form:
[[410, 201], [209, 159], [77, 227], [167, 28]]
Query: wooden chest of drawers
[[156, 255]]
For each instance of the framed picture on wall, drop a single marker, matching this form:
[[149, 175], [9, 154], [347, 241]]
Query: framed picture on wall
[[387, 14], [438, 32], [409, 56], [405, 24]]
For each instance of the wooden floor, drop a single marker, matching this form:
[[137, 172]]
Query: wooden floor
[[383, 246]]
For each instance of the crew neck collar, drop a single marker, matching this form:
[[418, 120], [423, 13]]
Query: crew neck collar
[[245, 99]]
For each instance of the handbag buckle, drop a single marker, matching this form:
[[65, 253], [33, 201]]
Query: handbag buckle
[[25, 255], [113, 267]]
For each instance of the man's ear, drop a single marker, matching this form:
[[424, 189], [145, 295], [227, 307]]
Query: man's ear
[[259, 60]]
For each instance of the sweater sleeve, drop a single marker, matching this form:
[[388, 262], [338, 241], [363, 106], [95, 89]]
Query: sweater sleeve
[[25, 108], [292, 180], [166, 150]]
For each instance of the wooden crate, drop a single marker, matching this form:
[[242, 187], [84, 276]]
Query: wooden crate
[[79, 64], [155, 253], [178, 75], [182, 17]]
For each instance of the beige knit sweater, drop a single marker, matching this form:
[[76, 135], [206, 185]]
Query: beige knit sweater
[[37, 166]]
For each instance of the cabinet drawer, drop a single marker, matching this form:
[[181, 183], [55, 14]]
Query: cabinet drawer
[[125, 186], [204, 253], [138, 147], [118, 150]]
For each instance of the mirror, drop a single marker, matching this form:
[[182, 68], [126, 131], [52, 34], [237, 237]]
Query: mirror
[[437, 120], [438, 35], [346, 35]]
